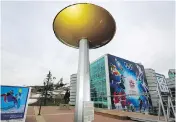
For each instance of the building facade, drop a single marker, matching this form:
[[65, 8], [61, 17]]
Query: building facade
[[152, 85], [112, 76], [98, 84], [171, 84], [171, 73], [73, 81]]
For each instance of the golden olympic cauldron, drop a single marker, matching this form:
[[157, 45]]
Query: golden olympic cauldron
[[84, 20]]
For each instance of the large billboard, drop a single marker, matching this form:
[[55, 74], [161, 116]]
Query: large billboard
[[128, 85], [13, 102]]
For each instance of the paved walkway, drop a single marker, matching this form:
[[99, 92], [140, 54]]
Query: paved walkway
[[30, 115], [130, 115], [54, 114], [39, 118]]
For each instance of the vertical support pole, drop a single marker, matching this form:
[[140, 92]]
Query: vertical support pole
[[172, 105], [83, 80], [108, 94], [161, 101], [168, 108], [159, 112]]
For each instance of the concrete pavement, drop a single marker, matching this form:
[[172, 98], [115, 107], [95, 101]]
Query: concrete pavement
[[38, 118], [54, 114]]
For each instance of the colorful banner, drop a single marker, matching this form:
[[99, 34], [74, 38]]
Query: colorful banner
[[13, 102], [128, 85]]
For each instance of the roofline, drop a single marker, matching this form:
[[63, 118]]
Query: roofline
[[172, 70], [117, 57], [99, 58], [149, 69], [73, 74], [139, 63], [161, 74]]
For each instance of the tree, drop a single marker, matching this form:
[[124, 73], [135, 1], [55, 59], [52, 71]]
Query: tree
[[60, 84], [49, 86]]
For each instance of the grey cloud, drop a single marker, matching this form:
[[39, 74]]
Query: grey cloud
[[145, 33]]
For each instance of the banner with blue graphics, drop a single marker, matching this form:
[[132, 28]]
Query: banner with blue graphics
[[128, 85], [13, 102]]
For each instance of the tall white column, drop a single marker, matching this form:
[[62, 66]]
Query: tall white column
[[83, 80]]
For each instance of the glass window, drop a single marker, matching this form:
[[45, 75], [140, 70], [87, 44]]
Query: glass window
[[104, 89], [104, 105], [100, 105], [96, 105], [98, 82], [104, 99]]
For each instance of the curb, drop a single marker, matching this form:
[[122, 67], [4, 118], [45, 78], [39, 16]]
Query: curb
[[113, 116]]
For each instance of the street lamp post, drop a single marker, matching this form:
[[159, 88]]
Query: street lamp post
[[84, 26]]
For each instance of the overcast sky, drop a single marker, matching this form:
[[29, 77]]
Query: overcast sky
[[30, 49]]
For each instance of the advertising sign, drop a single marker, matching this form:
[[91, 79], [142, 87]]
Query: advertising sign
[[162, 83], [128, 85], [13, 102]]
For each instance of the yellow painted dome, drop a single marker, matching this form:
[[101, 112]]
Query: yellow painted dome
[[84, 20]]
